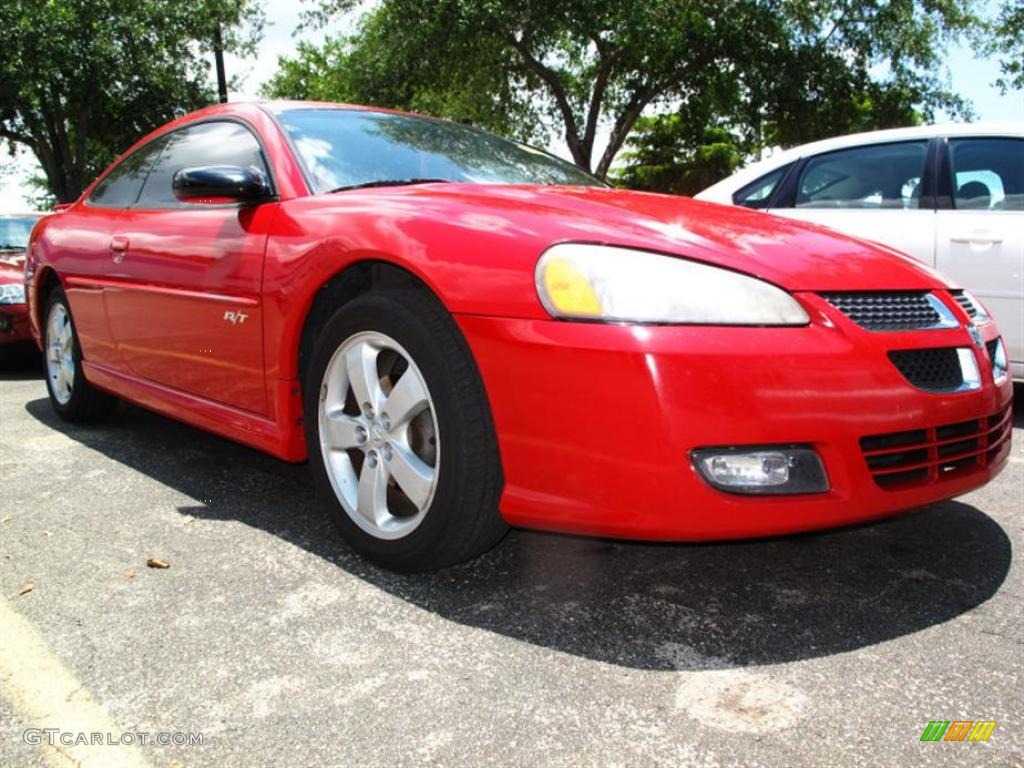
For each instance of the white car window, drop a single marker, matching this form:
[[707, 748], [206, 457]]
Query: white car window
[[871, 177], [988, 174]]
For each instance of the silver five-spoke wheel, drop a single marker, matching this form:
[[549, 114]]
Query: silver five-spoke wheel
[[60, 362], [378, 435]]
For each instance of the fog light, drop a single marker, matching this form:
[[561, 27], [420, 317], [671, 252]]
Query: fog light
[[763, 471], [5, 324]]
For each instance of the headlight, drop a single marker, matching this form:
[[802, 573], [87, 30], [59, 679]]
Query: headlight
[[12, 293], [596, 282]]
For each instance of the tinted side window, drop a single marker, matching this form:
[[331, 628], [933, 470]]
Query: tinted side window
[[878, 176], [121, 186], [218, 143], [758, 193], [988, 174]]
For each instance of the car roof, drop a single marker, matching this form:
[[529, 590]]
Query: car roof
[[913, 132], [277, 106], [757, 169]]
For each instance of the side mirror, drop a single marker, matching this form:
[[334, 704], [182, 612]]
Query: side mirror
[[221, 184]]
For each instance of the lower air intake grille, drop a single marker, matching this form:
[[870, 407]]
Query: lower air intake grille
[[890, 311], [933, 370], [907, 459]]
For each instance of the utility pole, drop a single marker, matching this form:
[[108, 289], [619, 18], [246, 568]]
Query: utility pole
[[218, 57]]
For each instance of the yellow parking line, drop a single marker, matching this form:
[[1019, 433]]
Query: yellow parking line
[[45, 694]]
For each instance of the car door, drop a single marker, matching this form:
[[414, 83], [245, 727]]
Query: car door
[[879, 192], [186, 312], [980, 228], [82, 255]]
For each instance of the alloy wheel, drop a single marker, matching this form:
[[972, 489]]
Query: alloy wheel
[[60, 362], [378, 435]]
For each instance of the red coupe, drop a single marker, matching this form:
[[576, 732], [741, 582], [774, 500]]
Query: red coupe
[[463, 333], [14, 323]]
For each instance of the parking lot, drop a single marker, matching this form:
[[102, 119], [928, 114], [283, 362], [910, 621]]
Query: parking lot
[[282, 648]]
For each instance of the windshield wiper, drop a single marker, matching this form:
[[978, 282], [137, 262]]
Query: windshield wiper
[[11, 247], [387, 183]]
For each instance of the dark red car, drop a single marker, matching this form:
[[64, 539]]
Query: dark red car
[[463, 333], [14, 323]]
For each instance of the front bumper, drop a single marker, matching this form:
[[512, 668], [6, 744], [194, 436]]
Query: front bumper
[[596, 422], [14, 324]]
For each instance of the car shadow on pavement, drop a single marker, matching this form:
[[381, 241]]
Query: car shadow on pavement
[[638, 605]]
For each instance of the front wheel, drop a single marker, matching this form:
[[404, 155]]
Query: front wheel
[[71, 396], [400, 435]]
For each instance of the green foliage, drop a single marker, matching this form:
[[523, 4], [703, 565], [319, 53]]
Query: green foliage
[[1003, 37], [81, 80], [770, 71], [819, 65], [525, 69], [664, 155]]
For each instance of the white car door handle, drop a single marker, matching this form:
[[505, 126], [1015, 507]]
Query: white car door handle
[[977, 238]]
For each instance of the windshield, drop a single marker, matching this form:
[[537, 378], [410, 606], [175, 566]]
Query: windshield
[[347, 148], [14, 231]]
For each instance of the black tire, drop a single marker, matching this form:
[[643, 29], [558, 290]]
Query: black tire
[[86, 403], [462, 519]]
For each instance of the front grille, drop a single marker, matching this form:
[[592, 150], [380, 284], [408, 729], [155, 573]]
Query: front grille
[[965, 302], [918, 457], [890, 311], [933, 370]]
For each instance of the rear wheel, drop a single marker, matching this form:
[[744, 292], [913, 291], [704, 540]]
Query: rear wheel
[[400, 435], [71, 396]]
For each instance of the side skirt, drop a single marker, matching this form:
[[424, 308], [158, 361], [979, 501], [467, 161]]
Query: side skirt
[[282, 438]]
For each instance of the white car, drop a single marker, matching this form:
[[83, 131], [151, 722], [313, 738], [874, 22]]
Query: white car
[[949, 195]]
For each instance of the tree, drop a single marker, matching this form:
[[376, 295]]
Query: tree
[[531, 65], [1004, 37], [664, 155], [848, 65], [596, 66], [81, 80]]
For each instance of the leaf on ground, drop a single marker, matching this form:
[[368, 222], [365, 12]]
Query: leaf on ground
[[27, 586], [153, 562], [6, 519], [130, 573]]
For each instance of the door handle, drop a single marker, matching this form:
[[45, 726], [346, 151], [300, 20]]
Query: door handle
[[118, 245], [976, 238]]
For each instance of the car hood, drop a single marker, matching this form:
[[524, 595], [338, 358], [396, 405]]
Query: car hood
[[12, 270], [792, 254]]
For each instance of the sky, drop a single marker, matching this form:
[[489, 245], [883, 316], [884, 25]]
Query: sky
[[970, 76]]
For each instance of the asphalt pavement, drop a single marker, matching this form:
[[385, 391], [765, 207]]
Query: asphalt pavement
[[281, 647]]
